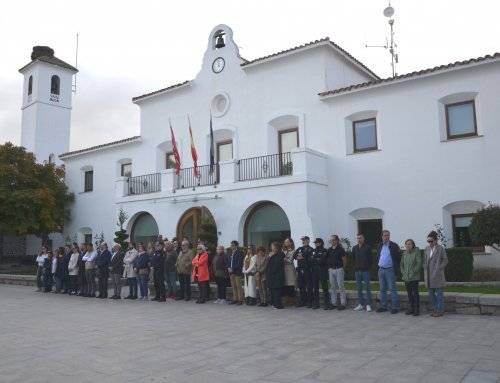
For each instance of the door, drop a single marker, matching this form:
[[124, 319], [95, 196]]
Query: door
[[371, 229]]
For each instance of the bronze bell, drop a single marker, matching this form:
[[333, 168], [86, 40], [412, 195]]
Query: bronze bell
[[220, 42]]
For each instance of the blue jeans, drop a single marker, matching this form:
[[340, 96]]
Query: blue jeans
[[59, 283], [363, 276], [143, 284], [437, 299], [171, 279], [387, 279], [132, 287]]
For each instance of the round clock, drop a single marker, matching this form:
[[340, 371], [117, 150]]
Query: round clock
[[218, 65]]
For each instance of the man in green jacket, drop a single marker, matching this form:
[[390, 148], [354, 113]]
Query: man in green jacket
[[411, 269]]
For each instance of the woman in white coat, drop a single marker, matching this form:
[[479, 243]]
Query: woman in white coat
[[129, 272], [73, 269], [249, 269]]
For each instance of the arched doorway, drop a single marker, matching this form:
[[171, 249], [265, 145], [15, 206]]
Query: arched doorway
[[266, 222], [191, 222], [144, 229]]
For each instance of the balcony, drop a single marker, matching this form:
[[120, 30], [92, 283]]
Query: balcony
[[299, 165]]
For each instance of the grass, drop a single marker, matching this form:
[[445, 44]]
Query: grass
[[449, 289]]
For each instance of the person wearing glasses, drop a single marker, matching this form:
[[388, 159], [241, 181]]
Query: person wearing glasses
[[200, 272], [388, 262], [411, 268], [435, 261]]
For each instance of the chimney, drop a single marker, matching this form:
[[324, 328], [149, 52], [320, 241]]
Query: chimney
[[40, 51]]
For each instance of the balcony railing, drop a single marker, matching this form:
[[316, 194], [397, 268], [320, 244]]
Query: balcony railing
[[206, 176], [147, 183], [270, 166]]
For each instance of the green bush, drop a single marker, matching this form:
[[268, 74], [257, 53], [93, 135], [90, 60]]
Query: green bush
[[460, 264], [485, 225]]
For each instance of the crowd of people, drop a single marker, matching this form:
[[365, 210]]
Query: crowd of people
[[258, 277]]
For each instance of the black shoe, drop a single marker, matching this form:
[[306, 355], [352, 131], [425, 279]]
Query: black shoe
[[264, 304], [341, 307], [381, 310], [416, 314], [409, 312], [328, 307], [309, 306], [134, 297], [315, 307], [112, 297], [187, 299], [179, 298], [128, 297], [394, 311]]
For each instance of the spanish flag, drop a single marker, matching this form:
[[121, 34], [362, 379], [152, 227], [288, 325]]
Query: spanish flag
[[194, 154], [175, 150]]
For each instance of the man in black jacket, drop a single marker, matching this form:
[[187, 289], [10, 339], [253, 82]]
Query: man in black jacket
[[319, 274], [158, 265], [102, 263], [303, 255], [336, 261], [116, 270], [235, 270], [362, 259], [389, 256]]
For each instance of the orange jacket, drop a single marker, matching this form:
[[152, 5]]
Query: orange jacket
[[200, 268]]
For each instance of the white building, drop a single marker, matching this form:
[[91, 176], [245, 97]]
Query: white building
[[309, 141]]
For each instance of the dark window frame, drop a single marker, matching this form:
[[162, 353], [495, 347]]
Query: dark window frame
[[217, 149], [88, 181], [85, 238], [55, 85], [122, 168], [450, 136], [360, 222], [167, 155], [281, 132], [30, 85], [354, 148], [453, 227]]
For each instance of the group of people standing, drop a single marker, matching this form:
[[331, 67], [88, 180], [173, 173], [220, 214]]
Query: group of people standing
[[256, 276]]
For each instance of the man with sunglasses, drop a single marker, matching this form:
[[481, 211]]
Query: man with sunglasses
[[389, 256]]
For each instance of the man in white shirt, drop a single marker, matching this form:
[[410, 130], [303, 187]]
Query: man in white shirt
[[89, 259], [40, 259]]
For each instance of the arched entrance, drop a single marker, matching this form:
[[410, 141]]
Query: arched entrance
[[190, 224], [144, 229], [266, 222]]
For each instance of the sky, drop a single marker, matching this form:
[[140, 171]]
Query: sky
[[128, 48]]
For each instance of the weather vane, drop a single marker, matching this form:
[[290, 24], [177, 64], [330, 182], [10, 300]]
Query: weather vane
[[391, 46]]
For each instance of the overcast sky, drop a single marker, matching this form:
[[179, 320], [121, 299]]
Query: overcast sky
[[128, 48]]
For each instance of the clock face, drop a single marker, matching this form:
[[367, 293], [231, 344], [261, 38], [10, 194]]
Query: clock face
[[218, 65]]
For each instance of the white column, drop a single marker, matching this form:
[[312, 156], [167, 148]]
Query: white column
[[167, 180], [121, 185], [227, 172]]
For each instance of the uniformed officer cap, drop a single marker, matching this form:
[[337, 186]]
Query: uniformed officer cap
[[319, 240], [305, 238]]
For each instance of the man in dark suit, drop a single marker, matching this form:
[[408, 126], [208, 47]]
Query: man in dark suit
[[389, 257], [116, 270], [103, 260], [235, 270]]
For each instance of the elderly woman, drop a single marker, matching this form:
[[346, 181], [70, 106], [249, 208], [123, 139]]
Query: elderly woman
[[129, 272], [219, 269], [249, 277], [141, 266], [290, 273], [411, 268], [276, 274], [200, 272], [435, 261]]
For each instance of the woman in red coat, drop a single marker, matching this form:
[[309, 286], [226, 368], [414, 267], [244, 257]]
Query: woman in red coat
[[200, 272]]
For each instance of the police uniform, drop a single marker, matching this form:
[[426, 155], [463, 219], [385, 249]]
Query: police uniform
[[304, 275], [158, 264], [319, 274]]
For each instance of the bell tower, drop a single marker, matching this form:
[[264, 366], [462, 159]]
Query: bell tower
[[46, 105]]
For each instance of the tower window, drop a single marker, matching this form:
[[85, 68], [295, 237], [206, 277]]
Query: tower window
[[219, 40], [30, 85], [55, 83]]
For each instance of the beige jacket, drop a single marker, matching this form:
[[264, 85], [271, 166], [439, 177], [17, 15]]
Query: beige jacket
[[128, 262], [183, 263], [434, 267]]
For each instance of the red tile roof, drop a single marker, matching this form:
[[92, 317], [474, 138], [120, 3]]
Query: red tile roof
[[92, 148], [368, 84]]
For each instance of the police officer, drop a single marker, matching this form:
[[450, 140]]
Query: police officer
[[319, 274], [158, 265], [302, 256]]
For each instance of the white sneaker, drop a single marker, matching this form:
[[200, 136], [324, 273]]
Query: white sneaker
[[358, 308], [368, 308]]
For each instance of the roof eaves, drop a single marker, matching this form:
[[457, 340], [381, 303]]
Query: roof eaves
[[161, 91], [107, 145], [51, 61]]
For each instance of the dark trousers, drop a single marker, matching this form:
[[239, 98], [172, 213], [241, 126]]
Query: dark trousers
[[82, 282], [132, 287], [203, 287], [47, 282], [221, 287], [72, 283], [318, 277], [305, 287], [159, 283], [185, 286], [276, 294], [66, 284], [90, 280], [103, 283], [39, 277], [117, 284], [413, 296], [143, 284]]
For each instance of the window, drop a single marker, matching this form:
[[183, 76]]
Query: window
[[364, 135], [30, 85], [461, 235], [288, 140], [224, 151], [87, 238], [461, 119], [55, 85], [126, 170], [169, 160], [89, 181], [371, 229]]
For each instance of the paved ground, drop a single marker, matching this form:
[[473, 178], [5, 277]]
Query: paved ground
[[55, 338]]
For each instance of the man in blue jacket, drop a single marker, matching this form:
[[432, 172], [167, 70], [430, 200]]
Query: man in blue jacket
[[389, 256], [103, 260]]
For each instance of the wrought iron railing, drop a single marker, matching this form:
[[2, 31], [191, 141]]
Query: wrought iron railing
[[270, 166], [207, 175], [147, 183]]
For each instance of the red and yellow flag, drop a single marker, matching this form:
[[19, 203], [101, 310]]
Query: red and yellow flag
[[194, 154]]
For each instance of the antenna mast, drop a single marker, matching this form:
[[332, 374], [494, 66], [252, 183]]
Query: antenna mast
[[76, 64], [389, 12]]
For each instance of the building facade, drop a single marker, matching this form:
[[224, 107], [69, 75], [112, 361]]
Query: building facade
[[307, 141]]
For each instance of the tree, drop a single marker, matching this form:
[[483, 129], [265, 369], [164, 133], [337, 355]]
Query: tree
[[485, 226], [208, 233], [33, 197], [121, 234]]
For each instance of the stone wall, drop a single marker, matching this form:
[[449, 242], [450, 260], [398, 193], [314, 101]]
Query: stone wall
[[12, 246]]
